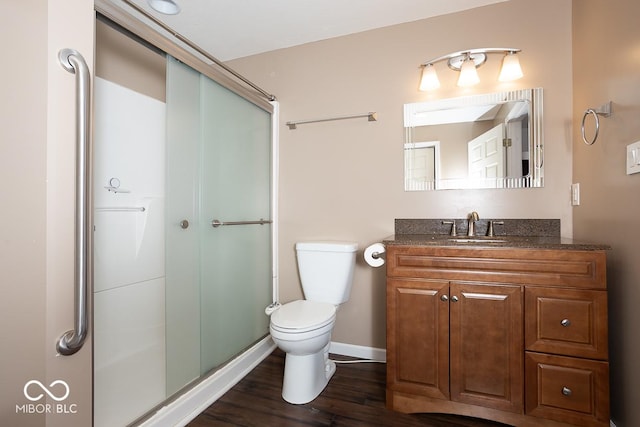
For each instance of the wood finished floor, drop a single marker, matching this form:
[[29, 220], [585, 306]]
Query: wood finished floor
[[355, 396]]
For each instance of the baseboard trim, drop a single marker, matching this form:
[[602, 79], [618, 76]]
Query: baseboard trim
[[193, 402], [361, 352]]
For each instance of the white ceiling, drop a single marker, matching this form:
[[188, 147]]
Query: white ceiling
[[230, 29]]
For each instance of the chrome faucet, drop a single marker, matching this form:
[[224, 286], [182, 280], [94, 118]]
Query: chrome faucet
[[472, 218], [454, 231]]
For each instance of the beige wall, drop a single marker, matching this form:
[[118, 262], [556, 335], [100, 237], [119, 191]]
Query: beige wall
[[37, 216], [126, 62], [344, 179], [22, 217], [607, 68]]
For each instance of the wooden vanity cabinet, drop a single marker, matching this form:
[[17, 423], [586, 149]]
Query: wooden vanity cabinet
[[514, 335], [418, 334], [441, 333]]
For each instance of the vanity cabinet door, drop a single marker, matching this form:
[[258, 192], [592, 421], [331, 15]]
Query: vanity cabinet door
[[486, 345], [418, 337]]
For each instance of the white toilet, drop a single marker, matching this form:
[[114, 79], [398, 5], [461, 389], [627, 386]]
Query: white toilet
[[302, 328]]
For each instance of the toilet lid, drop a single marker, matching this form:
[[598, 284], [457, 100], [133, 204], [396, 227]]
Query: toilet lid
[[303, 315]]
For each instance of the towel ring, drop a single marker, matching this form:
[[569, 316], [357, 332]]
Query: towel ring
[[584, 118], [605, 111]]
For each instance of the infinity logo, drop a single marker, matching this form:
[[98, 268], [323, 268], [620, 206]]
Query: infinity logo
[[46, 390]]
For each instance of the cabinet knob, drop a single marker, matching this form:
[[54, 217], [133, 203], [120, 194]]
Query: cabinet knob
[[454, 298], [565, 322], [184, 224], [566, 391], [444, 298]]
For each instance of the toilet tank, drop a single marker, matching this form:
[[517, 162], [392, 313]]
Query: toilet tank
[[326, 270]]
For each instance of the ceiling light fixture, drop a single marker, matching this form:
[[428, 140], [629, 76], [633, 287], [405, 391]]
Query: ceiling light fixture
[[167, 7], [467, 63]]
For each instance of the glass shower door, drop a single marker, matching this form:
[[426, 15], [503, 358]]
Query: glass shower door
[[218, 278], [182, 291], [235, 268]]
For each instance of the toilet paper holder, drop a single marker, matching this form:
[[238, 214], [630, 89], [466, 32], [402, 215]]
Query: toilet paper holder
[[377, 255], [374, 255]]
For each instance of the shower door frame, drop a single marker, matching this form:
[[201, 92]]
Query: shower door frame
[[184, 405]]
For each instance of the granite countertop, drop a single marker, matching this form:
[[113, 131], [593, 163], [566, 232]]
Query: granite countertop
[[510, 233], [525, 242]]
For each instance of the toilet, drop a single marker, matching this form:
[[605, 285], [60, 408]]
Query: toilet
[[302, 328]]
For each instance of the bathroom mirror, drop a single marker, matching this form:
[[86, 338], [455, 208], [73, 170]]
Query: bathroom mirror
[[481, 141]]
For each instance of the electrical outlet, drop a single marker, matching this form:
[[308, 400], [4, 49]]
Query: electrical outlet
[[575, 194]]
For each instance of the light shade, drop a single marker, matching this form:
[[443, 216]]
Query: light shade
[[510, 68], [466, 62], [468, 74], [167, 7], [429, 79]]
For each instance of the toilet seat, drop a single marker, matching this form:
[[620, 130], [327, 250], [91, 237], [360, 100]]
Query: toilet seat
[[303, 316]]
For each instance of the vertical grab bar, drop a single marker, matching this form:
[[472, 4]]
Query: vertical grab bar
[[71, 341]]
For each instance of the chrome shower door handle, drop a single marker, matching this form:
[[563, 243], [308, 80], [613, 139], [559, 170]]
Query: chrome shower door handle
[[217, 223], [71, 341]]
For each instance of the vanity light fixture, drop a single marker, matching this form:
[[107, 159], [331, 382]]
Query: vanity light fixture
[[166, 7], [510, 68], [467, 63], [429, 79], [468, 73]]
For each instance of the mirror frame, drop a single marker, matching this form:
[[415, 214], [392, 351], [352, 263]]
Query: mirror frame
[[535, 179]]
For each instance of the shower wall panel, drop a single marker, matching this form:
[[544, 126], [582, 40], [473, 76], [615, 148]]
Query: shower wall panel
[[129, 365], [129, 256], [129, 186]]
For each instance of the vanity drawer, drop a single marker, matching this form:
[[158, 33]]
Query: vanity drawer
[[571, 322], [543, 267], [567, 389]]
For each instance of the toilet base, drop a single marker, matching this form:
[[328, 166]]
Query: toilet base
[[306, 376]]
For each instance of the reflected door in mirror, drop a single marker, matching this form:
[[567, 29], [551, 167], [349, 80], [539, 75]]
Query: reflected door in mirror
[[483, 141]]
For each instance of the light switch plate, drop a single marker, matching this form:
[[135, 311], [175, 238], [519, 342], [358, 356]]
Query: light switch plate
[[633, 158], [575, 194]]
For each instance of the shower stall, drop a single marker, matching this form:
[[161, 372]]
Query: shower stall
[[184, 195]]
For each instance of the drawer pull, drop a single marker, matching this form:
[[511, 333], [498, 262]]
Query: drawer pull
[[566, 391], [454, 298], [444, 298], [565, 322]]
